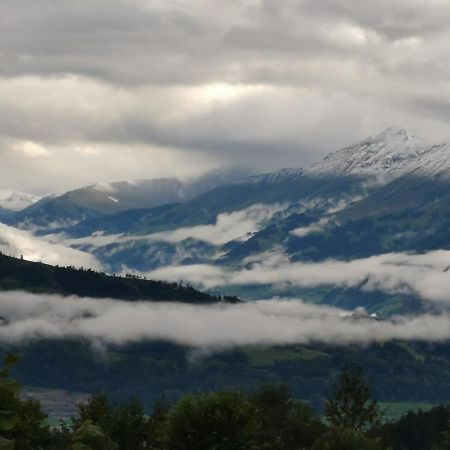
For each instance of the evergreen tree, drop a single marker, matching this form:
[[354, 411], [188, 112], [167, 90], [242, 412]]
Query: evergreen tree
[[124, 425], [21, 422], [350, 405], [280, 422], [445, 443]]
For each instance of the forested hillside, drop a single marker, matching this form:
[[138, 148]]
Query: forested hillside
[[18, 274], [399, 372]]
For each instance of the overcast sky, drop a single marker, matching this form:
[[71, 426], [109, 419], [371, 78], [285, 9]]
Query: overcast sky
[[103, 90]]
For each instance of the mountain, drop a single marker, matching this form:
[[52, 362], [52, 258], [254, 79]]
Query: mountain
[[17, 274], [406, 206], [288, 187], [388, 193], [381, 158], [5, 214], [344, 176], [15, 200], [102, 199]]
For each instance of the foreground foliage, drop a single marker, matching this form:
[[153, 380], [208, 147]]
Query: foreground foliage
[[269, 418]]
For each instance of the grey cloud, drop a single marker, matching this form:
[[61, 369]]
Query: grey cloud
[[425, 275], [312, 228], [273, 322], [202, 41], [236, 225], [131, 76], [395, 18], [122, 41]]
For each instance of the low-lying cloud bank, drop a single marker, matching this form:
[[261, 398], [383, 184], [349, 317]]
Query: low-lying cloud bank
[[271, 322], [426, 275], [236, 225], [15, 242]]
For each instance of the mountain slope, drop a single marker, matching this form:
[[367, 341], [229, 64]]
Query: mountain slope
[[343, 176], [271, 188], [385, 157], [408, 188], [102, 199], [17, 274], [15, 200], [342, 179], [5, 214]]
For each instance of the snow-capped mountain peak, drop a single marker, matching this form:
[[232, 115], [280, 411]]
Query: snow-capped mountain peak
[[382, 157], [15, 200]]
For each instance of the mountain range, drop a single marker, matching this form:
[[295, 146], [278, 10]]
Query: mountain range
[[387, 194], [366, 226], [103, 199]]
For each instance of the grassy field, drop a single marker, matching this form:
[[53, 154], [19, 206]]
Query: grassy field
[[393, 411]]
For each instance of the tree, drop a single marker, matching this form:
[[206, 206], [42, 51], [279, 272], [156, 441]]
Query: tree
[[350, 405], [419, 430], [98, 410], [280, 422], [347, 439], [31, 432], [129, 427], [88, 436], [445, 443], [125, 424], [21, 422], [216, 421], [157, 424]]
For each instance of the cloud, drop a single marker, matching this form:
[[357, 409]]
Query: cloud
[[272, 322], [32, 149], [209, 83], [236, 225], [312, 228], [15, 242], [425, 275]]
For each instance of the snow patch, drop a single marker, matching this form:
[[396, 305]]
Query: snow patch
[[386, 156], [15, 200]]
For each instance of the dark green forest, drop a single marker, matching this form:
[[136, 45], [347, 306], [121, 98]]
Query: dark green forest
[[19, 274], [398, 372], [268, 417]]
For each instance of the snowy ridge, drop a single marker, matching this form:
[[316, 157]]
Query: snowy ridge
[[15, 200], [379, 159], [386, 156]]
